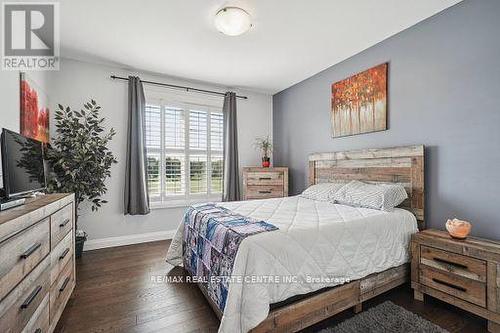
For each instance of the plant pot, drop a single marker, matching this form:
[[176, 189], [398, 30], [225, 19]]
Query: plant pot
[[266, 162], [79, 242]]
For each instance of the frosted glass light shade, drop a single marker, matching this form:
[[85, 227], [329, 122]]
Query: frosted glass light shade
[[232, 21]]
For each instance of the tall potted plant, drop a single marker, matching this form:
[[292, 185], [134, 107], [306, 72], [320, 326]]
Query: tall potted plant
[[80, 159], [266, 147]]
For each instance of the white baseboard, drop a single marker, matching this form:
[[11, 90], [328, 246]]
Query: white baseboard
[[102, 243]]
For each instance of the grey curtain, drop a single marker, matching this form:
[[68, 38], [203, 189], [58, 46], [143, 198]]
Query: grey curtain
[[231, 190], [136, 186]]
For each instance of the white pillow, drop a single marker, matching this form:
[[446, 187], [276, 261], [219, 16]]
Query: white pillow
[[377, 196], [321, 192]]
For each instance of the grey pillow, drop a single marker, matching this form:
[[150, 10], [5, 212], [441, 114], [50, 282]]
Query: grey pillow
[[321, 192], [376, 196]]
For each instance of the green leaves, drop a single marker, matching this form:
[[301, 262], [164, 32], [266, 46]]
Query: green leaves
[[264, 145], [80, 158]]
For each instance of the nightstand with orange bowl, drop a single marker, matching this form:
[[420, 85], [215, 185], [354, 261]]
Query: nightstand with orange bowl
[[464, 273]]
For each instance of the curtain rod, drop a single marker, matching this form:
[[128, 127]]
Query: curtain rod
[[173, 86]]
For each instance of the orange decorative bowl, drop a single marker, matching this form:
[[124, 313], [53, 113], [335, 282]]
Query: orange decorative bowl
[[458, 228]]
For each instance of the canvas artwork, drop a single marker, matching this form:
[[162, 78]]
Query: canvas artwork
[[359, 103], [34, 110]]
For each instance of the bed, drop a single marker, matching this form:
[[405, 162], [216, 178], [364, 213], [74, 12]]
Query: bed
[[328, 257]]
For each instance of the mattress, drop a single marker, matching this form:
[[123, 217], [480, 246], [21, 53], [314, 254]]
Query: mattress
[[318, 245]]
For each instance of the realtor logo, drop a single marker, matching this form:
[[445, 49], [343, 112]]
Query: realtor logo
[[30, 36]]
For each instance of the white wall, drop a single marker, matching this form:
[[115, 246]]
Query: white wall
[[78, 82], [9, 95]]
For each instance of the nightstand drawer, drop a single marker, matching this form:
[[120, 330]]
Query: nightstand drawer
[[469, 290], [264, 192], [265, 183], [464, 273], [453, 263], [265, 178]]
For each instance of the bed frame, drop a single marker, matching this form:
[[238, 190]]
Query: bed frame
[[398, 165]]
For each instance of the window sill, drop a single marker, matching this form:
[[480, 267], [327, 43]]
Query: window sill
[[181, 203]]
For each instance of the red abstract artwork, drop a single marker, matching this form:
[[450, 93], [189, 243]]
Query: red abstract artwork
[[34, 111], [359, 103]]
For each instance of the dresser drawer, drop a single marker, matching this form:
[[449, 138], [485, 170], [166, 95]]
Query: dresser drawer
[[39, 322], [264, 192], [467, 289], [23, 252], [453, 263], [61, 290], [17, 309], [60, 256], [61, 222], [265, 178]]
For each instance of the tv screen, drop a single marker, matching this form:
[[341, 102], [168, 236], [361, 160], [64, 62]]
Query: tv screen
[[22, 164]]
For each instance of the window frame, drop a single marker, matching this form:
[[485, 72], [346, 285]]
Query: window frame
[[187, 103]]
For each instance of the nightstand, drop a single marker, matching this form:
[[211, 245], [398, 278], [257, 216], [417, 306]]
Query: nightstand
[[465, 273], [265, 183]]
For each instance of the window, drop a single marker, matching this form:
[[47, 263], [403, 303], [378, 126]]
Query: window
[[184, 153]]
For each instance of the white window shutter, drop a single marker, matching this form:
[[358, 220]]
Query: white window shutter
[[184, 147]]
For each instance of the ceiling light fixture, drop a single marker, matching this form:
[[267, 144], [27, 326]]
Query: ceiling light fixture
[[232, 21]]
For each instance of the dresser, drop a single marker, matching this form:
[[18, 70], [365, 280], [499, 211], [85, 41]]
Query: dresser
[[265, 183], [465, 273], [37, 264]]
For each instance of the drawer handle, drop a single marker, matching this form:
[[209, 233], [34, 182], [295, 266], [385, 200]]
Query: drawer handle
[[31, 250], [265, 192], [265, 178], [62, 225], [449, 285], [65, 283], [451, 263], [31, 297], [38, 330], [61, 257]]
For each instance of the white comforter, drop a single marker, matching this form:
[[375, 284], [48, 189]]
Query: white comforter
[[315, 240]]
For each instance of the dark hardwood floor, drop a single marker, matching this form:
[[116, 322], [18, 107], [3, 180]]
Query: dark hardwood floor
[[118, 290]]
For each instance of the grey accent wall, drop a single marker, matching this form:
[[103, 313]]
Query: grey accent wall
[[444, 92]]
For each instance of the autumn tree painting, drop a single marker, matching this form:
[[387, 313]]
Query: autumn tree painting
[[34, 111], [359, 103]]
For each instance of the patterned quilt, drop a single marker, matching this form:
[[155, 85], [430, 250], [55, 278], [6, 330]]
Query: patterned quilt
[[212, 235]]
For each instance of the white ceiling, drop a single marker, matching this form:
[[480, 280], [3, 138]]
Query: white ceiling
[[290, 40]]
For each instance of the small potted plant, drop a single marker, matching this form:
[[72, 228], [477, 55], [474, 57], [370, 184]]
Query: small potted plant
[[266, 147], [80, 159]]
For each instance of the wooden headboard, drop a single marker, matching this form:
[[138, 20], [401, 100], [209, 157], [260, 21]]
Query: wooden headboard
[[399, 165]]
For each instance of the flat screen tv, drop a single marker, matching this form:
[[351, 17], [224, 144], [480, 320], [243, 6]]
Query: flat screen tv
[[22, 164]]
